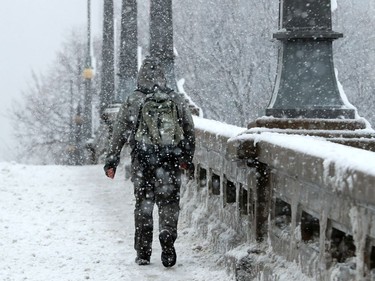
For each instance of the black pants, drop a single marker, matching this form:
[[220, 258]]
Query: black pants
[[155, 184]]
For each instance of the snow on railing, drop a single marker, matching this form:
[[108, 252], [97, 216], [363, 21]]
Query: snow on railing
[[312, 199]]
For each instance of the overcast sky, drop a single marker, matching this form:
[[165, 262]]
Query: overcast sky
[[31, 33]]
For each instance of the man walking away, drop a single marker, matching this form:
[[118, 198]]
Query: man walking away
[[157, 124]]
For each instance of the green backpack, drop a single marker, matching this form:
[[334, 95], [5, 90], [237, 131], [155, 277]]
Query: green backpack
[[158, 122]]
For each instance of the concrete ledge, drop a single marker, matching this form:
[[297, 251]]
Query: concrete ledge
[[362, 143], [326, 187], [308, 124], [241, 149]]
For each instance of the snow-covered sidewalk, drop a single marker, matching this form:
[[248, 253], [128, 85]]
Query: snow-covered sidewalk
[[72, 223]]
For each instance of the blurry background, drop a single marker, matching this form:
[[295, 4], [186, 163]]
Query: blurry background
[[31, 33]]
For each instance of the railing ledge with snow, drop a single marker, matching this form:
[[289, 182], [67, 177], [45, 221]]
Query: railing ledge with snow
[[312, 199]]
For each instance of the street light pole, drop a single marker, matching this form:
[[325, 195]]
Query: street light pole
[[87, 75], [306, 85], [161, 37], [128, 49], [108, 69], [306, 95]]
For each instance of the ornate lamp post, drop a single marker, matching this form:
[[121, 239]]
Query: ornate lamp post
[[161, 37], [108, 69], [306, 85], [306, 94], [128, 48], [87, 76]]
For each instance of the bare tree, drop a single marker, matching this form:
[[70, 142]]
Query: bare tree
[[355, 53], [44, 121], [226, 56]]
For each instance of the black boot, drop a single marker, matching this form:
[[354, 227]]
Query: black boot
[[143, 257], [168, 252], [142, 260]]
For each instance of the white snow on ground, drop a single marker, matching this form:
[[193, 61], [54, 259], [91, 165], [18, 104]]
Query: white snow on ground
[[72, 223]]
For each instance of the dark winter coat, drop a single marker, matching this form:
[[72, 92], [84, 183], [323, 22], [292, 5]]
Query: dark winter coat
[[150, 75]]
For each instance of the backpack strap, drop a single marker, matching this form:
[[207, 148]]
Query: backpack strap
[[135, 128]]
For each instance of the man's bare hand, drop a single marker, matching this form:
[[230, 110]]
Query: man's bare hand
[[110, 173]]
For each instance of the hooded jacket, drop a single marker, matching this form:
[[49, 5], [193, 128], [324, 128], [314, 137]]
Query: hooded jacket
[[150, 75]]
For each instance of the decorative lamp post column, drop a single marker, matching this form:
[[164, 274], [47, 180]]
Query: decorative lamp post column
[[306, 84], [108, 69], [87, 76], [161, 37], [128, 48], [306, 99]]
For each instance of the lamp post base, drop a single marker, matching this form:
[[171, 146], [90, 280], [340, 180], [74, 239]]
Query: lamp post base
[[308, 124], [350, 132], [327, 113]]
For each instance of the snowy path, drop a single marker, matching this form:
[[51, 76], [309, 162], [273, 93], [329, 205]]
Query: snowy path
[[72, 223]]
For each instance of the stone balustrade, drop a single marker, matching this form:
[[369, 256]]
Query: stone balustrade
[[309, 200]]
